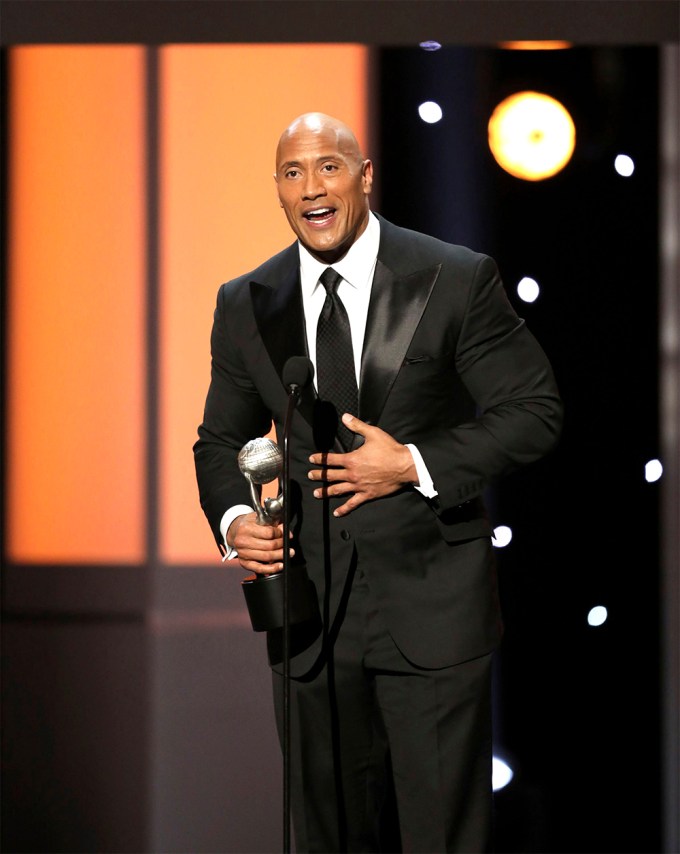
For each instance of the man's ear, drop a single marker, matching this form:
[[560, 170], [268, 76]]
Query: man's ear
[[367, 175], [278, 197]]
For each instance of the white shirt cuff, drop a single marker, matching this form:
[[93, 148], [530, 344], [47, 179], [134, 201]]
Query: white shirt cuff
[[425, 483], [231, 514]]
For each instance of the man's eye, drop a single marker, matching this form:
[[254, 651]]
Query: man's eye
[[329, 167], [292, 173]]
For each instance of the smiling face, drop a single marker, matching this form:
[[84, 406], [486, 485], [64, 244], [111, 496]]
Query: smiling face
[[323, 185]]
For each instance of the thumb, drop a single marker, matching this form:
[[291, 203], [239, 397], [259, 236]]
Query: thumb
[[356, 425]]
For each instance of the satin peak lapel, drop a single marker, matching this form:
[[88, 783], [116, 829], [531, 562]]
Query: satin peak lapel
[[396, 306]]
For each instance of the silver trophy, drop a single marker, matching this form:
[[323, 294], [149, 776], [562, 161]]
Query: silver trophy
[[261, 461]]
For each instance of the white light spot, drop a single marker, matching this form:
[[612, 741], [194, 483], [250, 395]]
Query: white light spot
[[430, 45], [528, 289], [430, 112], [624, 165], [501, 536], [501, 774], [653, 470], [597, 615]]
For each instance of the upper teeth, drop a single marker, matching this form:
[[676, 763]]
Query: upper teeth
[[319, 211]]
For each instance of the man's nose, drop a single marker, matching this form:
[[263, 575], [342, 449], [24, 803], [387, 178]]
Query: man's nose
[[313, 187]]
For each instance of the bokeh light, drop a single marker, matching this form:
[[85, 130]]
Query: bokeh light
[[528, 289], [501, 536], [501, 774], [430, 112], [597, 616], [624, 165], [653, 471], [531, 135]]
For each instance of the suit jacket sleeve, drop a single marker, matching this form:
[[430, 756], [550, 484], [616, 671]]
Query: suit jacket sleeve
[[234, 413], [510, 379]]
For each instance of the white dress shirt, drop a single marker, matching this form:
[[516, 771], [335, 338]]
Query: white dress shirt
[[356, 268]]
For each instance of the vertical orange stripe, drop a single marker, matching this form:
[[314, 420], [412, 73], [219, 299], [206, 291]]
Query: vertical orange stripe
[[76, 305], [223, 109]]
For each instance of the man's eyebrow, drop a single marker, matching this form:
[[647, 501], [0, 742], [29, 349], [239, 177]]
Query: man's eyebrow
[[335, 156]]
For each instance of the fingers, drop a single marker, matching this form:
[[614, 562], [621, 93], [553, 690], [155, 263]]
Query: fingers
[[329, 490], [336, 466], [260, 568], [260, 547], [356, 425], [262, 561], [327, 459], [250, 534], [349, 505], [329, 474]]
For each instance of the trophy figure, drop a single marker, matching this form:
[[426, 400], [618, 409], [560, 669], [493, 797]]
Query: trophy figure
[[261, 461]]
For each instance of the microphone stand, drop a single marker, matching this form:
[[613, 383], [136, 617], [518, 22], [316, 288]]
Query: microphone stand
[[293, 399]]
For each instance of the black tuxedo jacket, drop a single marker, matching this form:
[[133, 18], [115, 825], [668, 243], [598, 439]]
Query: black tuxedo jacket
[[446, 365]]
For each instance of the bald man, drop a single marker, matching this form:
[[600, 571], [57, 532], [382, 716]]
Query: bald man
[[390, 696]]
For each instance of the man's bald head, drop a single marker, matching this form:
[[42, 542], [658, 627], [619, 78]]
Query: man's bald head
[[318, 124]]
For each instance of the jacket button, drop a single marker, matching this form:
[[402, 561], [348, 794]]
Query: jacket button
[[345, 534]]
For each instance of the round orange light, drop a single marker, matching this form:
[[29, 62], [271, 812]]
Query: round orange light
[[531, 135]]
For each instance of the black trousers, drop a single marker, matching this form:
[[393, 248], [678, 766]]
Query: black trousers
[[387, 756]]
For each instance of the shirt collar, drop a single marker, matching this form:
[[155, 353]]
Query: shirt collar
[[355, 267]]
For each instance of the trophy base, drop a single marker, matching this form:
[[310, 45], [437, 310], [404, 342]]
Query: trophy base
[[264, 598]]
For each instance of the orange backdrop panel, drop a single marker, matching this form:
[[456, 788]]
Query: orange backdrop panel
[[76, 423], [223, 108]]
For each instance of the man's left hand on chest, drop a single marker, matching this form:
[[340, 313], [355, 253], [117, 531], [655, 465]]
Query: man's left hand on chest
[[379, 467]]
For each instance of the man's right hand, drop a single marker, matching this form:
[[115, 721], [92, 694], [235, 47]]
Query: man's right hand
[[259, 547]]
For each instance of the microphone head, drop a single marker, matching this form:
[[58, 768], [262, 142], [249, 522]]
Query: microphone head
[[260, 460], [298, 371]]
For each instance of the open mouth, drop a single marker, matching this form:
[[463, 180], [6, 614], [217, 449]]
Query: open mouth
[[319, 216]]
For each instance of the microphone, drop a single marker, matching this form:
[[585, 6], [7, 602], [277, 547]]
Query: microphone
[[298, 372], [299, 597]]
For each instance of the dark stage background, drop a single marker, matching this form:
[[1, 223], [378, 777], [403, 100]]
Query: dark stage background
[[135, 720], [578, 707]]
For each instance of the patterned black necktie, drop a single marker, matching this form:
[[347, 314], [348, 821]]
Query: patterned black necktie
[[336, 378]]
